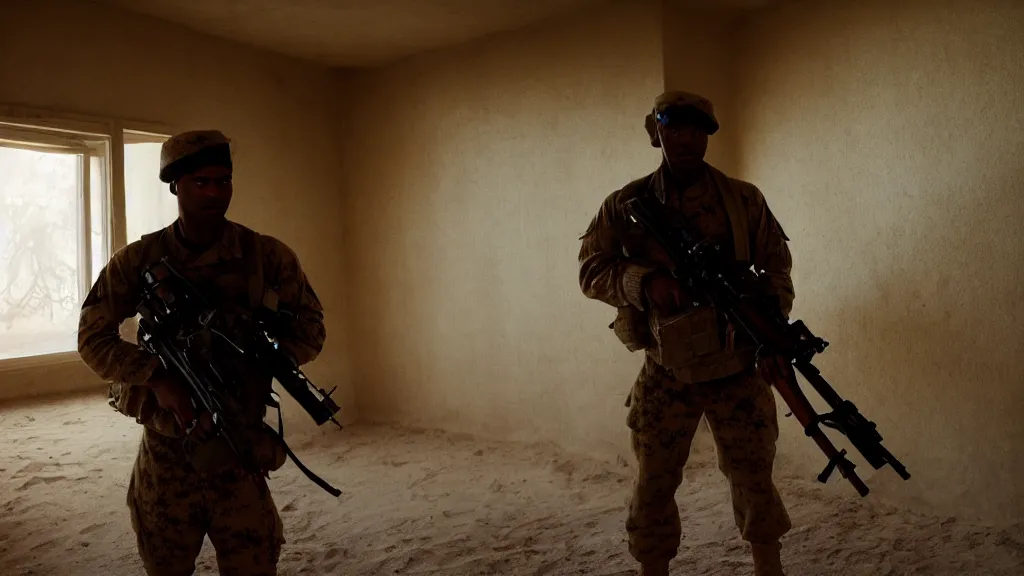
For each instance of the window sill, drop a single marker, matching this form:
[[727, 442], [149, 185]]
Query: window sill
[[41, 360], [44, 375]]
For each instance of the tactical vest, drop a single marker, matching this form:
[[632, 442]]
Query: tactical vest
[[138, 402], [697, 345]]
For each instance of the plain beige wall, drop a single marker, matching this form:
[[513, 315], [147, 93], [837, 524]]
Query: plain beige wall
[[84, 58], [698, 53], [473, 171], [888, 141]]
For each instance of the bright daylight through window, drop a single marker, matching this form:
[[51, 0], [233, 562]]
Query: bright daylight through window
[[55, 227], [54, 234], [149, 205]]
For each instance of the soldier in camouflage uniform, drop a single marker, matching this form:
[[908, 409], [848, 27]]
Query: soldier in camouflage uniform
[[176, 500], [696, 363]]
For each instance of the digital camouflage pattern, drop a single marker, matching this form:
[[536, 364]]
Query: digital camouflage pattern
[[663, 418], [666, 405], [173, 508], [168, 496]]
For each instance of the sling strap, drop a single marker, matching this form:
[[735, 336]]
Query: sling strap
[[252, 251], [274, 403]]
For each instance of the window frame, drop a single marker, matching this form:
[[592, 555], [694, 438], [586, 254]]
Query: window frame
[[113, 129]]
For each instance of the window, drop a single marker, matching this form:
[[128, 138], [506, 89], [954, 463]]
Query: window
[[62, 215], [149, 204], [54, 234]]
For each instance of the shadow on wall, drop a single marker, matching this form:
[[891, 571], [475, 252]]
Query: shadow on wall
[[928, 342], [481, 167], [380, 274], [888, 139], [901, 238]]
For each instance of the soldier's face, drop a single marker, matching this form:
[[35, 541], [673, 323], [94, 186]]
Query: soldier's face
[[683, 145], [205, 194]]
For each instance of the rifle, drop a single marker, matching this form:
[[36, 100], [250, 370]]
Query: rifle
[[176, 321], [703, 269]]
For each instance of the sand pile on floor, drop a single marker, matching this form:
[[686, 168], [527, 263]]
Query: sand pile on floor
[[433, 503]]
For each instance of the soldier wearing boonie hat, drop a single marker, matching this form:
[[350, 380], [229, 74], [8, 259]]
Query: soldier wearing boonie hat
[[177, 500], [706, 368]]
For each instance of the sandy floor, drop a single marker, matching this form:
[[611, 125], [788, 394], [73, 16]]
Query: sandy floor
[[434, 503]]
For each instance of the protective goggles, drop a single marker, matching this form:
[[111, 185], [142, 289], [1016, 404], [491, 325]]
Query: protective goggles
[[678, 116]]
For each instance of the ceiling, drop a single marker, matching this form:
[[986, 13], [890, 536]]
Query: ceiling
[[343, 33]]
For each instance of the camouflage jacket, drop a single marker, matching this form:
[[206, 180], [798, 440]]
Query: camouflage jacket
[[236, 275], [616, 255]]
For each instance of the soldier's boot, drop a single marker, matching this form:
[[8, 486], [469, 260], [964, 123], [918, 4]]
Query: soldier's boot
[[654, 569], [766, 560]]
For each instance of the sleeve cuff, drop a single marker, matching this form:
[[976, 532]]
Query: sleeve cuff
[[633, 284]]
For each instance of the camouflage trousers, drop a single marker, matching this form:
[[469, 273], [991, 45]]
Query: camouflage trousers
[[664, 416], [173, 508]]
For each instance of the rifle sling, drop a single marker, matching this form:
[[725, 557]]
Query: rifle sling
[[309, 473]]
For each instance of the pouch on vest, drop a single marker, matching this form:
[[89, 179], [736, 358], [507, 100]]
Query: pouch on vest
[[631, 328], [216, 455], [681, 339]]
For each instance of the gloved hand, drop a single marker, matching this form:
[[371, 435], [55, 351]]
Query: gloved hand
[[172, 395], [664, 291]]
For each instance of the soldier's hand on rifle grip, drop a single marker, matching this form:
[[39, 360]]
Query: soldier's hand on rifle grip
[[171, 395], [664, 291], [203, 429]]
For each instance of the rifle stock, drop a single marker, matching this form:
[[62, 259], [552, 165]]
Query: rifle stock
[[701, 268]]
